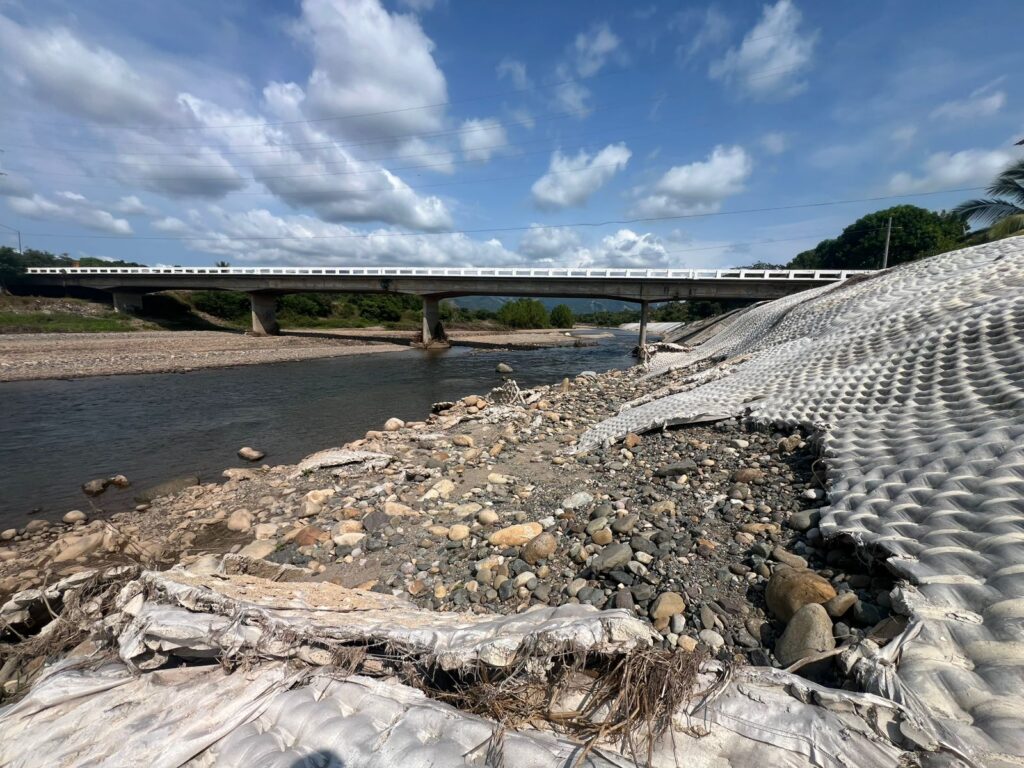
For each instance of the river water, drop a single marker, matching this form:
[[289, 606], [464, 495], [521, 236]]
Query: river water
[[55, 435]]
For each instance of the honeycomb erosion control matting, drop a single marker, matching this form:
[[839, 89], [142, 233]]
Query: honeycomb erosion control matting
[[913, 380]]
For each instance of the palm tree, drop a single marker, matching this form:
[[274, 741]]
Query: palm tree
[[1004, 215]]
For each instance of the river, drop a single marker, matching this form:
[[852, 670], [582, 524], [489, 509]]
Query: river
[[55, 435]]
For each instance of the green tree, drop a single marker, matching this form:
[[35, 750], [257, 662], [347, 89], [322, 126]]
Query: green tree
[[523, 313], [916, 233], [1002, 214], [561, 316]]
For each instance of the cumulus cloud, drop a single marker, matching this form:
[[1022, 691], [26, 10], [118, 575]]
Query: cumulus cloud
[[983, 102], [515, 71], [70, 207], [86, 80], [945, 170], [372, 66], [625, 248], [572, 179], [549, 243], [769, 61], [698, 187], [258, 236], [482, 138]]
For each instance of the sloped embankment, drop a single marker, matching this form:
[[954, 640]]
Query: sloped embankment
[[914, 382]]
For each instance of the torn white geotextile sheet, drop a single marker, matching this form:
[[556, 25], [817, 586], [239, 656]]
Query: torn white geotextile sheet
[[286, 699], [273, 717], [915, 380], [187, 614]]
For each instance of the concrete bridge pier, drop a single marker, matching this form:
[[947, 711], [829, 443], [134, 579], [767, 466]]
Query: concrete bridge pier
[[127, 302], [264, 314], [644, 313], [433, 331]]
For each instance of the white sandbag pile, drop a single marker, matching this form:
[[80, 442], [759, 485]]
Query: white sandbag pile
[[914, 382]]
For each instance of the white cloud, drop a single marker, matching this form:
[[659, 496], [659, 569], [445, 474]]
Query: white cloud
[[625, 248], [698, 187], [70, 207], [371, 64], [482, 138], [87, 80], [587, 55], [945, 170], [316, 172], [713, 28], [171, 225], [131, 205], [981, 103], [775, 143], [592, 48], [772, 55], [301, 239], [549, 243], [515, 71], [571, 180]]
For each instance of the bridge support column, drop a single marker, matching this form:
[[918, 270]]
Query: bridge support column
[[644, 312], [433, 330], [127, 302], [264, 315]]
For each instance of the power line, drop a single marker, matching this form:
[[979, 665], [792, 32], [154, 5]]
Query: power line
[[532, 227]]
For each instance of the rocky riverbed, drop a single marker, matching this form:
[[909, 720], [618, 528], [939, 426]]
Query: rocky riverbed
[[708, 532]]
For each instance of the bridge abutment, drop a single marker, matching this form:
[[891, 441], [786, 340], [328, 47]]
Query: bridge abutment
[[264, 314], [127, 302], [433, 331]]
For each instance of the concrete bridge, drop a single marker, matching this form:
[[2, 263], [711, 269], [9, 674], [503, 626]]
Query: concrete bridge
[[263, 284]]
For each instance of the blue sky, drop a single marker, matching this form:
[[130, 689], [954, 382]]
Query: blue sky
[[447, 133]]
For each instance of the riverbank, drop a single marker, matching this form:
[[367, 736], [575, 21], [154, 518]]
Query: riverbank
[[31, 357], [480, 508]]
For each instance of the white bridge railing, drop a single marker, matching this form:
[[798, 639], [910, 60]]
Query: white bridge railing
[[497, 272]]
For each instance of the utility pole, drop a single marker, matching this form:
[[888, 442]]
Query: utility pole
[[888, 234], [18, 232]]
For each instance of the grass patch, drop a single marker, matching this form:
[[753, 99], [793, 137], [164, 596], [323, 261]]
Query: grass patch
[[58, 322]]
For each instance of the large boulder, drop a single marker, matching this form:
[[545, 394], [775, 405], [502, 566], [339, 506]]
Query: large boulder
[[808, 632], [789, 589], [250, 454]]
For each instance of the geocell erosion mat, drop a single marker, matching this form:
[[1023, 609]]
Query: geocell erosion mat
[[911, 383]]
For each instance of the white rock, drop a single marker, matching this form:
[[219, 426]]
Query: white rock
[[74, 516], [240, 520], [250, 454], [393, 425]]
